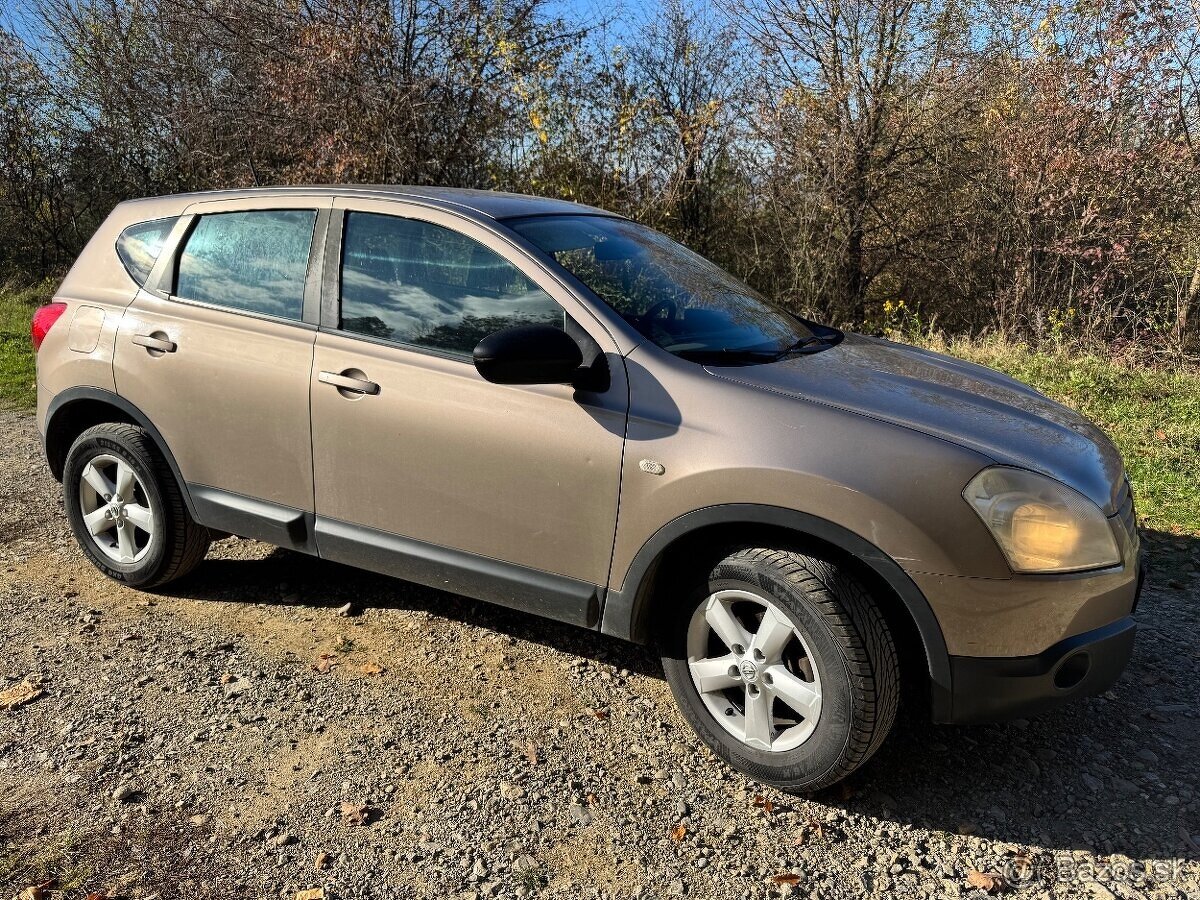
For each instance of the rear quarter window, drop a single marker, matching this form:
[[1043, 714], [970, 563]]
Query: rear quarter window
[[139, 246]]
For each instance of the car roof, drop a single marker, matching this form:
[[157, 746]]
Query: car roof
[[490, 204]]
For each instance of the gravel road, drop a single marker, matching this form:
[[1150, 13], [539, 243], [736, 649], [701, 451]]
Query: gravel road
[[188, 744]]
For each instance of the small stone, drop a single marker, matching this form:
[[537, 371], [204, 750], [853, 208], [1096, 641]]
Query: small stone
[[579, 815], [511, 791], [124, 793], [346, 610], [676, 888]]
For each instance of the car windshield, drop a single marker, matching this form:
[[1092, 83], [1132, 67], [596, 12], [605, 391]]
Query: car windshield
[[676, 298]]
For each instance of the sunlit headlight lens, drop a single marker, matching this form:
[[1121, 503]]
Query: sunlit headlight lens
[[1041, 524]]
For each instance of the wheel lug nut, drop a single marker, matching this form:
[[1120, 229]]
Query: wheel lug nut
[[766, 677], [734, 672], [758, 655], [739, 649], [753, 689]]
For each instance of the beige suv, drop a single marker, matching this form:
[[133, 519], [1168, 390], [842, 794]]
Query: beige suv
[[553, 408]]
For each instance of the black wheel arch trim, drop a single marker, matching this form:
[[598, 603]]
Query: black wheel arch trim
[[624, 612], [75, 394]]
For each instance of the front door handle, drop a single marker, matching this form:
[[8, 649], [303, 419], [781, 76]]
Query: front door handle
[[344, 381], [150, 342]]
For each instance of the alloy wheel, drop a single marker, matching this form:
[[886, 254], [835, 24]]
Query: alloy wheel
[[116, 510], [753, 670]]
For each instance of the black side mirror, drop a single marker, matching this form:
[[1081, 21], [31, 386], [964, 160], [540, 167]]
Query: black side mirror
[[528, 354]]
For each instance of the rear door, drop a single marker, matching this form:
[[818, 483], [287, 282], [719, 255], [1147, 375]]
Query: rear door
[[217, 353], [503, 492]]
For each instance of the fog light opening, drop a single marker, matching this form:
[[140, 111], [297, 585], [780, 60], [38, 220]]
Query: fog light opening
[[1072, 671]]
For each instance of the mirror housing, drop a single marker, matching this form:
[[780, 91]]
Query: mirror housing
[[528, 354]]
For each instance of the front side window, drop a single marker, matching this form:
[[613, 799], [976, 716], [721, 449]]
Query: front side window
[[676, 298], [418, 283], [139, 246], [251, 261]]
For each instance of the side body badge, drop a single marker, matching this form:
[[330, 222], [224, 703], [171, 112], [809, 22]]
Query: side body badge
[[652, 467]]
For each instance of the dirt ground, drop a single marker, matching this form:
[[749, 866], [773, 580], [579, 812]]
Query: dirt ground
[[186, 744]]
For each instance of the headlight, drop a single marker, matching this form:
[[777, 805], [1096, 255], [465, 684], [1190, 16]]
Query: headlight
[[1040, 524]]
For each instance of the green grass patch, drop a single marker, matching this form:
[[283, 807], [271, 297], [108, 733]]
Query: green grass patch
[[18, 378], [1152, 414]]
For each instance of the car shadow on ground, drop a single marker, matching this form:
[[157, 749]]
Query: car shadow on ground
[[1099, 775], [287, 578]]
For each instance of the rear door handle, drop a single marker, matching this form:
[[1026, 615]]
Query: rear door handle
[[150, 342], [348, 383]]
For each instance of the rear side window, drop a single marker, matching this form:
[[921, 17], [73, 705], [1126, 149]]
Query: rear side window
[[419, 283], [139, 246], [249, 261]]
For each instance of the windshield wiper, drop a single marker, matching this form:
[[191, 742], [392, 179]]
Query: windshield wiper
[[801, 345], [746, 354]]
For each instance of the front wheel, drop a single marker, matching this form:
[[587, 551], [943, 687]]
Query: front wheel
[[784, 666]]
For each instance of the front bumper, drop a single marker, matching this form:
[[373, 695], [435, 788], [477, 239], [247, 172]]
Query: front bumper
[[987, 689]]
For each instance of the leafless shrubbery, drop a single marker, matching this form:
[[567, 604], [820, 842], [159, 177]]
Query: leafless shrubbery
[[994, 165]]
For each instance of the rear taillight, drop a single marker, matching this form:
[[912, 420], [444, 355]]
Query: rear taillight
[[43, 321]]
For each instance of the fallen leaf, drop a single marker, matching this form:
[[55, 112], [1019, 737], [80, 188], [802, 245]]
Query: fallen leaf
[[991, 882], [598, 714], [18, 694], [354, 813], [531, 753], [310, 894], [36, 891], [1023, 866], [321, 861], [228, 678], [372, 669], [324, 663], [97, 895], [764, 803], [678, 832], [1160, 434], [343, 644], [789, 878], [592, 800]]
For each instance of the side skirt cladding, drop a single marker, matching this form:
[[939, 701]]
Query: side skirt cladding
[[516, 587]]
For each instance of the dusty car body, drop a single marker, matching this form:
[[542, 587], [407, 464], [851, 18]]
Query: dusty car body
[[367, 376]]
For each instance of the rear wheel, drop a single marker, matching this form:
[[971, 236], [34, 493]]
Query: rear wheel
[[784, 666], [126, 509]]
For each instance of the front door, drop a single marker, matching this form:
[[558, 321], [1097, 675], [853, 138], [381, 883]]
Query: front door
[[424, 469]]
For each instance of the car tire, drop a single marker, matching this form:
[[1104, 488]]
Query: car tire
[[817, 665], [126, 509]]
